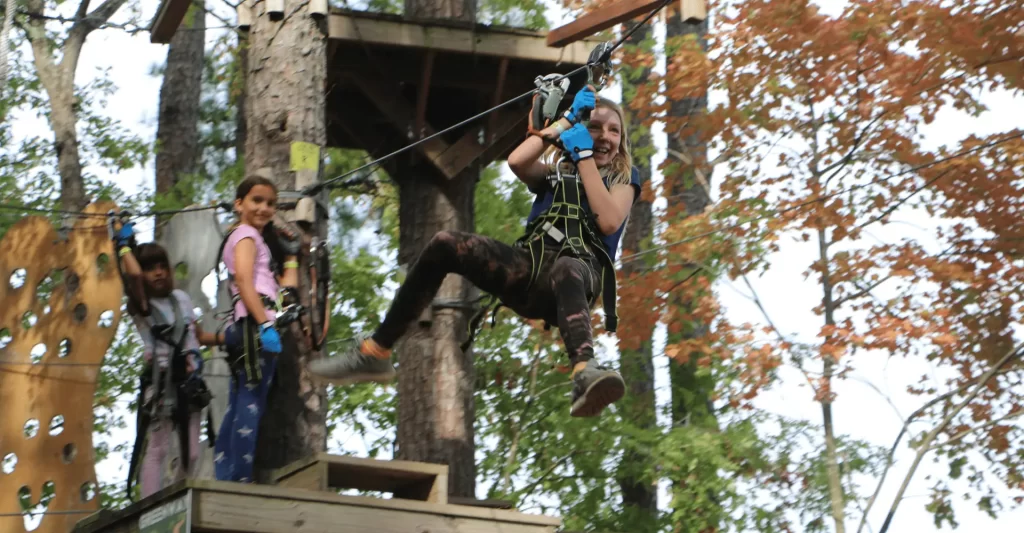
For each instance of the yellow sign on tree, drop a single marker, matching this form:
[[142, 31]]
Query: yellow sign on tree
[[305, 156]]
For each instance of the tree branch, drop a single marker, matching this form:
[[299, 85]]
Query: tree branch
[[966, 432], [81, 29], [925, 445]]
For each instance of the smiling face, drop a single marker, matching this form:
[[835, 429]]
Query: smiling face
[[606, 129], [258, 206]]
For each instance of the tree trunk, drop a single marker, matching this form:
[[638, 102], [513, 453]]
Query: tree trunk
[[639, 494], [689, 194], [58, 80], [285, 104], [240, 96], [177, 133], [436, 380]]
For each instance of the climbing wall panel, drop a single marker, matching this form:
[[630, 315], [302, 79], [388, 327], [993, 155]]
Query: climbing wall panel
[[60, 303]]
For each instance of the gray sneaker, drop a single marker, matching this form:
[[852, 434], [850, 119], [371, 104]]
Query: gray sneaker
[[594, 388], [352, 366]]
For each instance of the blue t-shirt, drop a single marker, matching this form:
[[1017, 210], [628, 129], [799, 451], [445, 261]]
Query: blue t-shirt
[[546, 195]]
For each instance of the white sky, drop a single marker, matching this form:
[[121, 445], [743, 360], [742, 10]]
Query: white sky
[[859, 411]]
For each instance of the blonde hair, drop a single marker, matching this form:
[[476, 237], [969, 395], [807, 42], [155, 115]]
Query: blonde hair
[[620, 169]]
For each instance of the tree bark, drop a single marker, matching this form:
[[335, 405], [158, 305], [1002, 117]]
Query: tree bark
[[58, 80], [688, 192], [436, 379], [177, 133], [285, 103], [639, 494]]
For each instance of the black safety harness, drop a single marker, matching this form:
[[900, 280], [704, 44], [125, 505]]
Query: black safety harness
[[178, 394]]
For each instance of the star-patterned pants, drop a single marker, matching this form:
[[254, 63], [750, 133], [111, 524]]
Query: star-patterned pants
[[236, 441]]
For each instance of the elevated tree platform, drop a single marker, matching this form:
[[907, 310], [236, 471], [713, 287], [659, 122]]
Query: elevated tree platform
[[393, 80], [215, 506]]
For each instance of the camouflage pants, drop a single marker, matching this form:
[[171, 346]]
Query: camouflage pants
[[563, 294]]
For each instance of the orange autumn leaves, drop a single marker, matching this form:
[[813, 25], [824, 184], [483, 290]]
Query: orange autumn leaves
[[814, 133]]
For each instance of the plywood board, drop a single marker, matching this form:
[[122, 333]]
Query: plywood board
[[404, 479], [61, 307]]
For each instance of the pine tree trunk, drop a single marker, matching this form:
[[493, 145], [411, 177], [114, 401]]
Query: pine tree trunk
[[285, 103], [691, 394], [436, 380], [637, 366], [177, 133], [687, 189]]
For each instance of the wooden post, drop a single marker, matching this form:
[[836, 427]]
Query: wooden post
[[621, 11]]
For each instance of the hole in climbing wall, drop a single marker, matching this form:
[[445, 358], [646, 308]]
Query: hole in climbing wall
[[56, 425], [45, 288], [80, 312], [87, 491], [10, 461], [102, 262], [71, 282], [37, 353], [33, 514], [68, 453], [181, 271], [106, 319], [64, 349], [29, 319], [31, 428], [5, 338], [17, 279]]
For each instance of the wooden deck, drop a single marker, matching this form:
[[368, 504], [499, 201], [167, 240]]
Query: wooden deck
[[306, 500], [217, 506]]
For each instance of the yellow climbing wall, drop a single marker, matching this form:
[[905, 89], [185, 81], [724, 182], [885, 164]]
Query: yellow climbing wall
[[60, 306]]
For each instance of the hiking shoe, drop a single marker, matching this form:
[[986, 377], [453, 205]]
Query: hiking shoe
[[352, 366], [594, 388]]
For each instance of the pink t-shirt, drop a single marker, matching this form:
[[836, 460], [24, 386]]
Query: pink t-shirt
[[266, 283]]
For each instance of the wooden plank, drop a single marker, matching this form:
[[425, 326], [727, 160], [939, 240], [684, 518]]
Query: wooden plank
[[168, 17], [468, 149], [599, 19], [488, 503], [312, 477], [404, 479], [424, 93], [262, 504], [227, 512], [514, 45], [693, 11]]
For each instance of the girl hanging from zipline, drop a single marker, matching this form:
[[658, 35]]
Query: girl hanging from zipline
[[555, 272], [254, 252], [172, 393]]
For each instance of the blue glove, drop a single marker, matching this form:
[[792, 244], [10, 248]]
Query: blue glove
[[578, 143], [269, 338], [583, 101], [124, 236]]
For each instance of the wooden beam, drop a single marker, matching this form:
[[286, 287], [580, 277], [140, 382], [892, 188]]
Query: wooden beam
[[621, 11], [168, 18], [514, 45], [401, 114], [424, 93], [498, 90]]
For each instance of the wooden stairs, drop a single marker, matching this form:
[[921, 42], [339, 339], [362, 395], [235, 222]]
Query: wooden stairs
[[305, 499]]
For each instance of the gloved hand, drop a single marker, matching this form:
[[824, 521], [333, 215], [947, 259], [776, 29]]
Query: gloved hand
[[583, 101], [269, 338], [287, 242], [578, 143], [126, 235]]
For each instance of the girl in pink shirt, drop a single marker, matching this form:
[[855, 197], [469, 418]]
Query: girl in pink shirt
[[253, 342]]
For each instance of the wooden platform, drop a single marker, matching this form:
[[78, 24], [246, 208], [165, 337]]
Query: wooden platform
[[216, 506], [403, 479], [306, 500]]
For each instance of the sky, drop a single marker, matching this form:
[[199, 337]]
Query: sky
[[860, 411]]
